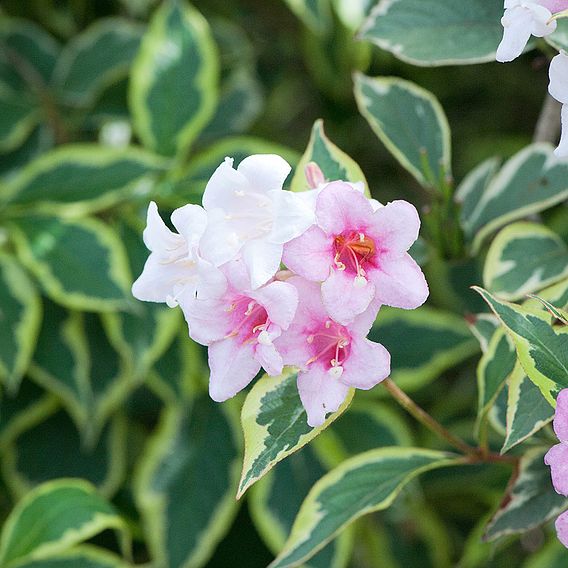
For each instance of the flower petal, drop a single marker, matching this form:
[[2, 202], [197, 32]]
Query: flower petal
[[561, 525], [310, 255], [264, 172], [207, 320], [399, 282], [292, 216], [157, 237], [343, 299], [222, 185], [517, 24], [310, 306], [561, 416], [557, 459], [340, 207], [262, 259], [320, 393], [190, 222], [219, 243], [270, 359], [368, 364], [558, 74], [396, 226], [562, 150], [158, 279], [232, 366], [280, 300], [211, 281]]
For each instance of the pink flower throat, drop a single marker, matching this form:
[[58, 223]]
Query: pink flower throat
[[353, 250], [329, 345], [249, 320]]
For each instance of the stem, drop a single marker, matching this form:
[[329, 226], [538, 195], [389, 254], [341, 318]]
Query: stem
[[548, 125], [475, 455]]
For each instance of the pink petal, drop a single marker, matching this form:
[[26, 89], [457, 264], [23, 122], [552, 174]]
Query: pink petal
[[212, 282], [293, 346], [562, 528], [340, 207], [232, 367], [207, 320], [310, 307], [399, 282], [280, 300], [157, 237], [396, 226], [264, 172], [362, 324], [190, 222], [343, 299], [270, 359], [557, 459], [262, 259], [320, 394], [561, 416], [368, 364], [310, 255]]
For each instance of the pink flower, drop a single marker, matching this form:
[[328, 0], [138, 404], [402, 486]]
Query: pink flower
[[239, 327], [557, 459], [331, 357], [360, 254]]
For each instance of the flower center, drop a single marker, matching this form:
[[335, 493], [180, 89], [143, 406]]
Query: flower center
[[353, 251], [249, 321], [329, 347]]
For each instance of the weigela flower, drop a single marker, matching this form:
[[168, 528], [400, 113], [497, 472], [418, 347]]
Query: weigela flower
[[331, 357], [557, 459], [523, 18], [558, 88], [175, 271], [249, 214], [360, 254], [239, 327]]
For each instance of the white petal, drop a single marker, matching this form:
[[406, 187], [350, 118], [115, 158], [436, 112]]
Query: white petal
[[558, 73], [157, 237], [262, 259], [221, 187], [190, 222], [219, 243], [292, 216], [211, 281], [517, 23], [562, 150], [264, 172]]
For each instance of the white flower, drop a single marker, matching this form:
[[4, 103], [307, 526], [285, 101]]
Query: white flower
[[558, 88], [175, 272], [249, 214], [522, 19]]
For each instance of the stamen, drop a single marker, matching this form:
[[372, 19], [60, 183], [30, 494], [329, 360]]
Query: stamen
[[361, 237], [250, 308], [231, 307], [310, 339], [336, 371], [327, 324], [264, 338], [359, 281]]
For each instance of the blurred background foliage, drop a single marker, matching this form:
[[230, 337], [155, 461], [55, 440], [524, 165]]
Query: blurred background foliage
[[99, 387]]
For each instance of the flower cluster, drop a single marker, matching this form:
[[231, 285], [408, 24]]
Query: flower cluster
[[523, 18], [557, 459], [345, 254]]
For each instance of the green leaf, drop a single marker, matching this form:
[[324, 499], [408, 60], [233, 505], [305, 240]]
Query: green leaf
[[559, 313], [85, 177], [423, 343], [19, 115], [530, 501], [240, 103], [524, 258], [333, 162], [471, 189], [493, 370], [541, 349], [527, 409], [54, 517], [410, 122], [20, 320], [75, 360], [98, 57], [189, 183], [531, 181], [275, 500], [23, 40], [483, 327], [80, 263], [275, 425], [363, 484], [314, 14], [552, 555], [25, 464], [186, 483], [41, 140], [83, 556], [144, 333], [173, 89], [436, 32]]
